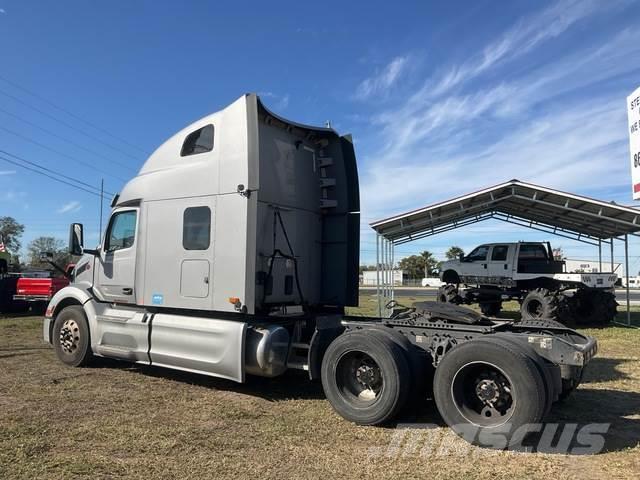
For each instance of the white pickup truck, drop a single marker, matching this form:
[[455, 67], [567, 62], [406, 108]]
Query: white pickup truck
[[527, 271]]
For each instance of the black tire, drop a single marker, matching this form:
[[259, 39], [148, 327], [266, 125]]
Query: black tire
[[552, 391], [420, 366], [593, 307], [490, 309], [462, 373], [365, 377], [542, 303], [449, 294], [71, 338]]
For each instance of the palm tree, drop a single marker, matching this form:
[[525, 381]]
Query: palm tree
[[429, 262]]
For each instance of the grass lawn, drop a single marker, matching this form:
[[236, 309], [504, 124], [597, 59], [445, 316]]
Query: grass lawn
[[117, 420]]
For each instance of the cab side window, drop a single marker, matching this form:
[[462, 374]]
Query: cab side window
[[199, 141], [479, 253], [499, 253], [122, 231]]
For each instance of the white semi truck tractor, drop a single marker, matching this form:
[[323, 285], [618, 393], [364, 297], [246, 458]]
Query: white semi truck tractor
[[234, 252]]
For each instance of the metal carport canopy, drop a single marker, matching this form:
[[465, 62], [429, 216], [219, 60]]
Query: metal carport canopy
[[551, 211]]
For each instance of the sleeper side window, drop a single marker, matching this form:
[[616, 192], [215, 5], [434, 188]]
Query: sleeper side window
[[196, 228], [199, 141], [122, 231]]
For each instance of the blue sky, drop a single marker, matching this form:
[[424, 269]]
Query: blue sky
[[442, 97]]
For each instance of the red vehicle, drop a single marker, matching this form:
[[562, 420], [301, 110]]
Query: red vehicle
[[40, 286]]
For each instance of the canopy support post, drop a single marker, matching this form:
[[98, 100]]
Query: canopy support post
[[378, 274], [626, 274], [600, 255], [393, 252], [612, 267]]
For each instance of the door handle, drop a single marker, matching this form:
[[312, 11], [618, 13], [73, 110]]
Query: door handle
[[127, 291], [484, 265]]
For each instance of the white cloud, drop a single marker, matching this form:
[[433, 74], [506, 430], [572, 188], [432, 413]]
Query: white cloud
[[527, 34], [7, 172], [68, 207], [383, 80], [539, 126]]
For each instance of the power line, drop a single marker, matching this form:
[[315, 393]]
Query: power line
[[53, 134], [67, 124], [49, 176], [22, 159], [71, 157], [71, 114]]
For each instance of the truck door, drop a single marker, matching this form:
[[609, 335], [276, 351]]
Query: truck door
[[475, 267], [498, 264], [116, 271]]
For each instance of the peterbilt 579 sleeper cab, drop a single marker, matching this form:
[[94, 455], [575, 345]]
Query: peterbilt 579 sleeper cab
[[234, 251]]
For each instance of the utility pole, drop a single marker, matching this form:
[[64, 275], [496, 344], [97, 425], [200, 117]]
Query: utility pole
[[101, 202]]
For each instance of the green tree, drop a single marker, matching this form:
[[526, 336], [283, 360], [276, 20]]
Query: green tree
[[48, 245], [413, 266], [430, 264], [419, 266], [10, 233], [454, 253]]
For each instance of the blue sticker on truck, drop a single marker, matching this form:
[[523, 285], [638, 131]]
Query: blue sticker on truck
[[157, 299]]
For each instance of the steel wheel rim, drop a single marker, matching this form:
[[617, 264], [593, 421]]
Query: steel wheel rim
[[69, 336], [483, 394], [359, 378]]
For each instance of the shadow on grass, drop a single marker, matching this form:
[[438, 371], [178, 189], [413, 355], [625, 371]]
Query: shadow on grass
[[604, 370], [292, 385], [586, 406], [615, 407]]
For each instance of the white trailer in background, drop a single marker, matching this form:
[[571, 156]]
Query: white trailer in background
[[234, 252]]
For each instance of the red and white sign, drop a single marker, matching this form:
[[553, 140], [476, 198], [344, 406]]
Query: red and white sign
[[633, 112]]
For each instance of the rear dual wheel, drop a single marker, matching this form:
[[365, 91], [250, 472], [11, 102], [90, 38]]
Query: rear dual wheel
[[366, 377], [489, 386]]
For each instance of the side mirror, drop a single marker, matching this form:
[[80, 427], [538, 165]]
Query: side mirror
[[461, 257], [76, 239]]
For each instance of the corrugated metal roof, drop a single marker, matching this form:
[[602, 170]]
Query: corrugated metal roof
[[516, 202]]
